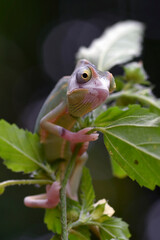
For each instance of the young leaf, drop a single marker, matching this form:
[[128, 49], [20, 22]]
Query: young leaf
[[133, 138], [80, 233], [142, 95], [135, 72], [52, 219], [101, 208], [98, 211], [118, 44], [146, 98], [73, 210], [20, 149], [87, 192], [114, 229], [108, 116]]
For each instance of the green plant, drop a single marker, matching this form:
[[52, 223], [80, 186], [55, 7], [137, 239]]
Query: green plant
[[131, 130]]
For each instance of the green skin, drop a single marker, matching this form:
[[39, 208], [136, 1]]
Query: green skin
[[73, 97]]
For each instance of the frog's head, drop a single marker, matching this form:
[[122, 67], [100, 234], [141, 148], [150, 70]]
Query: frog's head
[[88, 88]]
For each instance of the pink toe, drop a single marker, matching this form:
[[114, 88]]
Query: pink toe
[[53, 194]]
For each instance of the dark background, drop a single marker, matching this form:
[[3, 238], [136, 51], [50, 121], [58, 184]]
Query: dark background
[[38, 42]]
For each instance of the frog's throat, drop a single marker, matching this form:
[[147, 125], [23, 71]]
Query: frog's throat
[[76, 102], [81, 101]]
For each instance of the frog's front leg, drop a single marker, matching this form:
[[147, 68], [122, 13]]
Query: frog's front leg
[[47, 125]]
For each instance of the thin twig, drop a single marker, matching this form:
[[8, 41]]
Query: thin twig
[[7, 183], [63, 193]]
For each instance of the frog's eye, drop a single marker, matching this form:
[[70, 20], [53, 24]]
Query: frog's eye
[[84, 75]]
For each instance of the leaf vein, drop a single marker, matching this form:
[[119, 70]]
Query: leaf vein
[[139, 149], [20, 151], [126, 161]]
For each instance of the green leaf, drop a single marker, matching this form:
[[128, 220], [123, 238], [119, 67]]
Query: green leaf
[[119, 83], [2, 189], [73, 210], [80, 233], [118, 44], [52, 219], [20, 149], [117, 170], [56, 237], [114, 229], [87, 195], [146, 98], [135, 72], [102, 210], [133, 140], [108, 116], [98, 211], [142, 95]]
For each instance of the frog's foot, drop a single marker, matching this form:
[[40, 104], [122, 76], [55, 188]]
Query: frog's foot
[[80, 136], [48, 200]]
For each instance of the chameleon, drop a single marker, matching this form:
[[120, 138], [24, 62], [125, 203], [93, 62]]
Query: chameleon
[[72, 98]]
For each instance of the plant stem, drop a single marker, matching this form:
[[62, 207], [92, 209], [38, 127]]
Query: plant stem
[[63, 193], [74, 224], [24, 182], [48, 171]]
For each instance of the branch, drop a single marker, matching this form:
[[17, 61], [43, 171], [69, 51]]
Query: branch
[[22, 182], [63, 193]]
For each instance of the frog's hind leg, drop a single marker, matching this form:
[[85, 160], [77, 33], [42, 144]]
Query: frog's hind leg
[[73, 184], [83, 148], [48, 200]]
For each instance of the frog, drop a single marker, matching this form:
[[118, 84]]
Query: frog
[[72, 98]]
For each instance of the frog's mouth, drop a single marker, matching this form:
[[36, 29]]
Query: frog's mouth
[[81, 101]]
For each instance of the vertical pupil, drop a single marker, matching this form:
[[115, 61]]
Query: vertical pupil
[[84, 75]]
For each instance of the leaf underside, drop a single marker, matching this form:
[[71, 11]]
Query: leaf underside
[[118, 44]]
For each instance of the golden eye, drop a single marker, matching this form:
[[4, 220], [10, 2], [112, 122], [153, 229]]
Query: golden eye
[[83, 75]]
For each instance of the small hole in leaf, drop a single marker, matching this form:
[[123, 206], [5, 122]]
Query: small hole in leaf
[[136, 162]]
